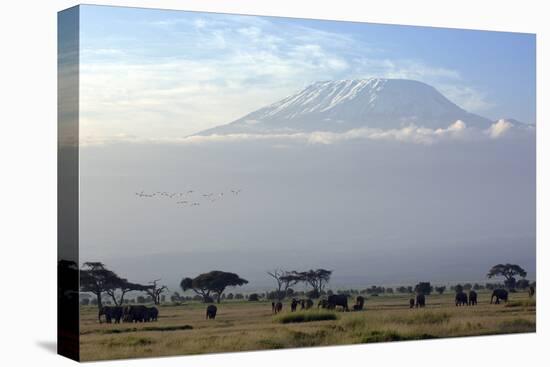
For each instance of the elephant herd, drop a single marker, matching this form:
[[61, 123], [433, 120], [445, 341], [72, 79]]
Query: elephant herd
[[141, 313], [305, 304], [463, 299], [138, 313], [329, 303]]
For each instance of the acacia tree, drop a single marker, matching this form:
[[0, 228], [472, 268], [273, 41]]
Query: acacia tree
[[122, 286], [212, 282], [96, 279], [154, 291], [284, 279], [316, 278], [509, 272]]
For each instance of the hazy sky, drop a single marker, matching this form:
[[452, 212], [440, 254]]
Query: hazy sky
[[158, 73], [413, 205]]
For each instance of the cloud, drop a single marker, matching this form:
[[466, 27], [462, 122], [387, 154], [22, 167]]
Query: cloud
[[198, 71], [412, 134], [499, 128]]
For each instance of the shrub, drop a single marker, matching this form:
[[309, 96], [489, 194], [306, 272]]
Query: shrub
[[253, 297], [275, 295], [423, 288], [522, 284]]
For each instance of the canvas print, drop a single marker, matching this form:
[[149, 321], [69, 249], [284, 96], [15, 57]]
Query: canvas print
[[234, 182]]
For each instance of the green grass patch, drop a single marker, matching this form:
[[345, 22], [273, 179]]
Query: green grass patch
[[306, 317]]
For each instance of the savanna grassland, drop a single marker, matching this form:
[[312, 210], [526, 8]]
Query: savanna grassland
[[244, 325]]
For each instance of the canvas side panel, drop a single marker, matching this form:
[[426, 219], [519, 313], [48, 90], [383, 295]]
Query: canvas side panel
[[67, 183]]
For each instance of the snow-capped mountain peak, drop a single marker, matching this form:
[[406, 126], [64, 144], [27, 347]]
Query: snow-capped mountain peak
[[343, 105]]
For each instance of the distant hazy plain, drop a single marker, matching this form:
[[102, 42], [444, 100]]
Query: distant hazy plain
[[374, 212]]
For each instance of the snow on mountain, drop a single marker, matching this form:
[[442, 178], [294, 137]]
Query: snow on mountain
[[343, 105]]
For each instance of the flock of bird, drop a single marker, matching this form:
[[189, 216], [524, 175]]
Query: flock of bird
[[189, 197]]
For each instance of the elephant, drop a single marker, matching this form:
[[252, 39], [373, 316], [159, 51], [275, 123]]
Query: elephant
[[461, 299], [135, 313], [499, 294], [293, 305], [359, 303], [307, 304], [111, 313], [338, 300], [411, 302], [211, 311], [531, 291], [420, 300], [152, 314], [472, 298], [276, 307]]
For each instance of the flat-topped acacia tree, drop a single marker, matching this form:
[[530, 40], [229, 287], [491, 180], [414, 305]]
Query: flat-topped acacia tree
[[509, 272], [214, 282]]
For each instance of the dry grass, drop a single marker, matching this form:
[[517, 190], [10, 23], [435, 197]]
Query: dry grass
[[306, 316], [243, 326]]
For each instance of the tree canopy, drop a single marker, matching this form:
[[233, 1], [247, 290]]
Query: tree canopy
[[423, 288], [509, 272], [97, 279], [212, 282]]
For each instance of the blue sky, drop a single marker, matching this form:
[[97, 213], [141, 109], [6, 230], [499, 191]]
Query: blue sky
[[188, 71]]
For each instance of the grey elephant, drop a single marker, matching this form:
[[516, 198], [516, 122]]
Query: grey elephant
[[211, 311], [323, 303], [411, 302], [338, 300], [359, 303], [461, 299], [276, 307], [499, 294], [472, 298], [152, 314], [293, 305], [420, 300], [111, 313], [137, 313]]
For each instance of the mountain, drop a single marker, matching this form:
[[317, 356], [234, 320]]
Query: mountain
[[349, 104]]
